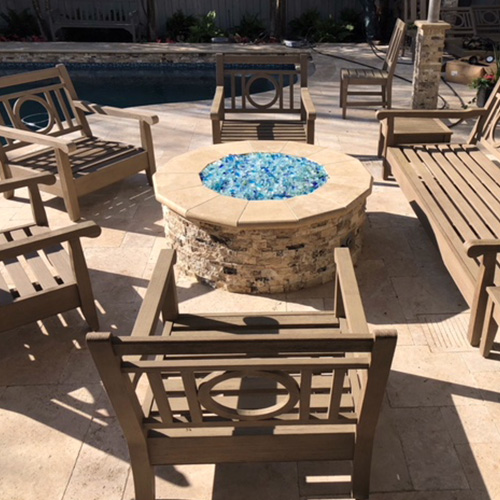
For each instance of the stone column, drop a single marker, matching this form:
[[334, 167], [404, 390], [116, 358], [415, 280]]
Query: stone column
[[428, 61]]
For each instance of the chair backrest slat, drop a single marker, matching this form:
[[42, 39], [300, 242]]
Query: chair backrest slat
[[277, 72], [158, 391], [49, 92], [394, 47], [304, 383], [336, 394]]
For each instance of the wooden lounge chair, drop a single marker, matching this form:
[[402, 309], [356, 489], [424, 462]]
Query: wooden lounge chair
[[373, 77], [38, 277], [456, 188], [246, 387], [81, 165], [293, 106]]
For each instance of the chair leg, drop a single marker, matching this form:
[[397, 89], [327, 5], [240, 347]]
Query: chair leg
[[361, 479], [147, 144], [489, 329], [381, 141], [144, 479], [81, 271], [388, 96], [68, 187], [344, 85], [5, 174], [387, 170]]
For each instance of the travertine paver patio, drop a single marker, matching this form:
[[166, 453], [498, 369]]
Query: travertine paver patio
[[439, 434]]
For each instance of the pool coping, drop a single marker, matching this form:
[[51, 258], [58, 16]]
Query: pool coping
[[178, 186], [97, 52]]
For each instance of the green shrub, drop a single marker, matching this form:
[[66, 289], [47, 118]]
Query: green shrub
[[205, 29], [179, 25], [20, 24], [251, 27], [304, 26], [311, 26]]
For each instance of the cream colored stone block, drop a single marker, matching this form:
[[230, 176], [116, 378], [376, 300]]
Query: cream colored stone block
[[222, 210], [266, 212]]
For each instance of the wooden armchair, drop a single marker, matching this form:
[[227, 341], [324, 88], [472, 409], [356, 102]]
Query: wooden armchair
[[246, 387], [38, 277], [295, 107], [373, 78], [81, 165]]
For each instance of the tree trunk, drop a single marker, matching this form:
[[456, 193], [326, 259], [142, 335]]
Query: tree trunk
[[40, 18], [151, 17], [278, 18]]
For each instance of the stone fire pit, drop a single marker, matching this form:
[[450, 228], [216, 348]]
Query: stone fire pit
[[262, 246]]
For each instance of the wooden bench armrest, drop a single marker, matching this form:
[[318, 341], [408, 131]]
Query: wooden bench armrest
[[217, 110], [461, 114], [347, 297], [476, 248], [53, 237], [30, 182], [142, 116], [308, 104], [65, 145], [158, 296]]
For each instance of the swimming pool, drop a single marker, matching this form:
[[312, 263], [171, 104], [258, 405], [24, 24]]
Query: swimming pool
[[125, 85]]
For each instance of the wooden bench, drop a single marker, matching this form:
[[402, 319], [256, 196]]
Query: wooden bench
[[117, 14], [246, 387], [457, 188], [294, 106], [477, 20]]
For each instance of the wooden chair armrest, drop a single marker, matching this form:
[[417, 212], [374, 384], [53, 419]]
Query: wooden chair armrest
[[30, 181], [65, 145], [347, 297], [52, 237], [308, 104], [142, 116], [217, 110], [476, 248], [463, 114], [162, 282]]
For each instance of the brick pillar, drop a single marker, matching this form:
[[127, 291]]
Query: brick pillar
[[428, 61]]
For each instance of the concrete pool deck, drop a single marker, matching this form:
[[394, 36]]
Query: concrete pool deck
[[439, 432]]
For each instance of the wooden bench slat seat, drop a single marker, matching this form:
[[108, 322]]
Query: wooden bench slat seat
[[38, 277], [291, 99], [246, 387], [456, 187], [81, 164]]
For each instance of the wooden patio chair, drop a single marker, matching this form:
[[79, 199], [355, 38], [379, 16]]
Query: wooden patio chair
[[246, 387], [38, 277], [81, 165], [294, 106], [373, 77]]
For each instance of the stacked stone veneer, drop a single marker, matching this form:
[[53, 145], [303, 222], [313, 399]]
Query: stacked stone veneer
[[428, 62], [264, 260]]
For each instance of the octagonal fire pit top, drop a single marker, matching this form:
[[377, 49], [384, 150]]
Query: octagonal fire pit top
[[342, 182]]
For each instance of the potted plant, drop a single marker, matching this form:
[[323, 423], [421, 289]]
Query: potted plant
[[487, 82], [484, 85]]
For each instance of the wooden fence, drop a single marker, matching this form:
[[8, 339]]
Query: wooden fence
[[229, 12]]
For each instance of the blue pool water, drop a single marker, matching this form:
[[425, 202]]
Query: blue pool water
[[263, 176], [136, 84]]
